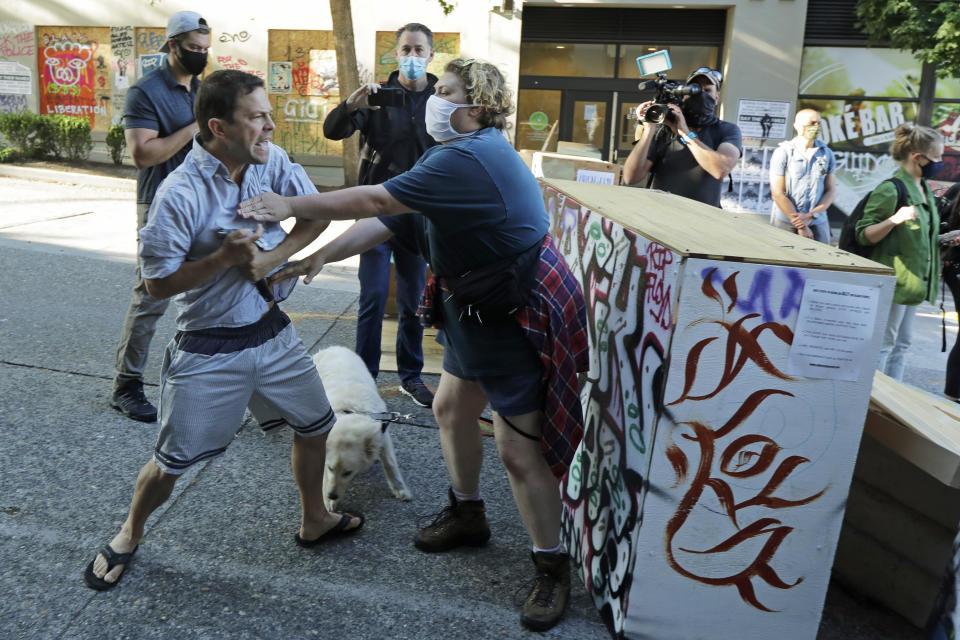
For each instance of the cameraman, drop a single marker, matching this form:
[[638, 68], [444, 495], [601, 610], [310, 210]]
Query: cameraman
[[692, 151]]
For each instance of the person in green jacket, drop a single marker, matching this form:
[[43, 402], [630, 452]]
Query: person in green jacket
[[906, 238]]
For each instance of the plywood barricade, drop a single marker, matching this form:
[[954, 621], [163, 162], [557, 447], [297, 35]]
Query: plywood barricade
[[446, 47], [73, 66], [567, 167], [903, 512], [303, 88], [148, 43], [707, 495]]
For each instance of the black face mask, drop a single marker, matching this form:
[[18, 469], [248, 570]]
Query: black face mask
[[698, 110], [193, 61]]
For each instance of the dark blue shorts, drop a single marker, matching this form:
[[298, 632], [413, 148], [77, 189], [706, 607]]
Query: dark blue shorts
[[509, 395]]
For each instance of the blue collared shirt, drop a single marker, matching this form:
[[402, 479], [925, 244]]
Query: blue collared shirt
[[803, 179], [159, 103], [196, 200]]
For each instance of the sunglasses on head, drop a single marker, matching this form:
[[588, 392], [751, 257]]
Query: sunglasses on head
[[713, 74]]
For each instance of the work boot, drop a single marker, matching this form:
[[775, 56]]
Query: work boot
[[130, 400], [548, 597], [460, 524]]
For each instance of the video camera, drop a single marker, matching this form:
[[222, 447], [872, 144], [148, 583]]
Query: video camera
[[658, 63]]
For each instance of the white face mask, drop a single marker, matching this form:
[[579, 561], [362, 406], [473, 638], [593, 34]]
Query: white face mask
[[437, 118]]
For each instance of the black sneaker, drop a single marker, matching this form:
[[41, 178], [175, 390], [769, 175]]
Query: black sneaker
[[417, 391], [131, 401]]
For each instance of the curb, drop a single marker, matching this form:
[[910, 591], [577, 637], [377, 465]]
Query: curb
[[322, 183], [68, 177]]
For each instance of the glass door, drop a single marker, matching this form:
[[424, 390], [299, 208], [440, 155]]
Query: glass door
[[626, 124], [585, 123]]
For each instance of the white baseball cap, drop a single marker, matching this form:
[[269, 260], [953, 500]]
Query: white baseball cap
[[184, 22]]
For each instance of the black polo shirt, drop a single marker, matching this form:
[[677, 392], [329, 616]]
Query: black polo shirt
[[159, 103]]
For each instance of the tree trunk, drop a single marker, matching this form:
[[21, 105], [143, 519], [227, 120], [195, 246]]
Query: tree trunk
[[928, 88], [347, 78]]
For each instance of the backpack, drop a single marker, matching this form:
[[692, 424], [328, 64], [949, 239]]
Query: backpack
[[848, 234]]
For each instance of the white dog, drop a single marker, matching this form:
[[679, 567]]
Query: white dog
[[356, 440]]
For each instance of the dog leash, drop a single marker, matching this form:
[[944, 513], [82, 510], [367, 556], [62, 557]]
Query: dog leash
[[395, 417], [386, 417]]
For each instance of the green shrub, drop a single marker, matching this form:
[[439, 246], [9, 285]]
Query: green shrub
[[116, 142], [7, 154], [73, 139], [46, 136], [19, 131]]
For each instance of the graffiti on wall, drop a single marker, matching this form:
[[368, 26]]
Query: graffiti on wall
[[148, 43], [238, 64], [17, 40], [74, 71], [303, 89], [628, 283], [13, 103]]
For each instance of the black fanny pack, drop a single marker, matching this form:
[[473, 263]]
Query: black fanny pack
[[495, 291]]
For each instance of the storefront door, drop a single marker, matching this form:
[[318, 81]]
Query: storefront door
[[585, 123]]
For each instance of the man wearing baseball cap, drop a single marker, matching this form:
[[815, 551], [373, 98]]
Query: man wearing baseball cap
[[160, 126], [692, 151]]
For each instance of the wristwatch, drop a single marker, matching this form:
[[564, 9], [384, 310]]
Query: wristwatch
[[686, 138]]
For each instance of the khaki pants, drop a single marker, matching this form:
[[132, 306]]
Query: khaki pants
[[139, 325]]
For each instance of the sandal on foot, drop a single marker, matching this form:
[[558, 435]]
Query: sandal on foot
[[113, 559], [336, 531]]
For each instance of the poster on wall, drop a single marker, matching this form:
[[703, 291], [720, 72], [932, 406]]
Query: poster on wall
[[123, 48], [749, 188], [74, 73], [281, 77], [764, 119], [303, 89], [149, 62], [15, 78], [446, 47]]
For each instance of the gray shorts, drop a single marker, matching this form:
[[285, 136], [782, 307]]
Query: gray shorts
[[209, 376]]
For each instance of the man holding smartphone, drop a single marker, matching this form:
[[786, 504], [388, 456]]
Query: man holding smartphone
[[392, 138]]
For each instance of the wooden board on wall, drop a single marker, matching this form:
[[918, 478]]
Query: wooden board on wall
[[303, 88], [446, 47], [73, 66], [149, 40]]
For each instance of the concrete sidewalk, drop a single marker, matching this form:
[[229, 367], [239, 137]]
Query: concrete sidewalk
[[218, 560]]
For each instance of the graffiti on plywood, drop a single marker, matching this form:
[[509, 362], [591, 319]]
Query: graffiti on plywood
[[303, 89], [74, 72], [628, 283]]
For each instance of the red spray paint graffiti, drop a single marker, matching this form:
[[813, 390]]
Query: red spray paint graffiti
[[719, 461]]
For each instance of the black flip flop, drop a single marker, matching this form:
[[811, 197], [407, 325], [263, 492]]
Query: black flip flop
[[113, 559], [338, 530]]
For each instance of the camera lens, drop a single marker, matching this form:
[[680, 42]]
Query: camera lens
[[655, 113]]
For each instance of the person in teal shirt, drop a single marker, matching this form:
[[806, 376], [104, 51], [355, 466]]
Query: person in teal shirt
[[905, 238]]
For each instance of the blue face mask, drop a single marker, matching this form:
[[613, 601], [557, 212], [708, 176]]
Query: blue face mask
[[412, 66], [931, 168]]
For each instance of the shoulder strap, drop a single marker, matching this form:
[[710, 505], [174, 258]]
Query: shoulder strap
[[902, 195]]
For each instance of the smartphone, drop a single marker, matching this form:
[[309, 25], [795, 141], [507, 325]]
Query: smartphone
[[387, 97], [223, 232]]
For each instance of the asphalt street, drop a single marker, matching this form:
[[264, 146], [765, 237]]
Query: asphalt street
[[218, 560]]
